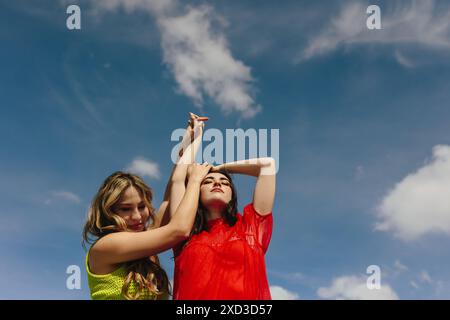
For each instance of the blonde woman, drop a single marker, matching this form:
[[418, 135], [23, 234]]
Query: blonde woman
[[122, 262]]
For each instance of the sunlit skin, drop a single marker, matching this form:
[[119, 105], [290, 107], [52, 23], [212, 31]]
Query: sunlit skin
[[215, 194], [132, 209], [172, 224]]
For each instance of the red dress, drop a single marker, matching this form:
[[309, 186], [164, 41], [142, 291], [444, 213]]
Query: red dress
[[225, 263]]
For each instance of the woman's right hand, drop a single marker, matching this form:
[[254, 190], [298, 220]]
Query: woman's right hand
[[197, 172], [195, 122]]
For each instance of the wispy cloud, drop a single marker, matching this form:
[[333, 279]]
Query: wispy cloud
[[355, 288], [66, 196], [403, 60], [144, 167], [425, 280], [425, 277], [420, 23], [196, 51], [289, 276], [280, 293], [419, 204], [359, 173], [400, 266]]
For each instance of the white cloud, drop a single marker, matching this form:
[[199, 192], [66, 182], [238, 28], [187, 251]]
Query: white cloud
[[419, 24], [425, 280], [400, 266], [202, 63], [359, 173], [355, 288], [144, 167], [425, 277], [280, 293], [66, 196], [414, 284], [420, 203], [196, 51], [348, 25], [404, 61]]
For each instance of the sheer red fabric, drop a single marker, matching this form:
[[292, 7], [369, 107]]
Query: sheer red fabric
[[225, 262]]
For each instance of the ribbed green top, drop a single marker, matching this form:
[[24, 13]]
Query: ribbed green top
[[109, 286]]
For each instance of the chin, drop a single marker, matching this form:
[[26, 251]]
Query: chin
[[217, 201]]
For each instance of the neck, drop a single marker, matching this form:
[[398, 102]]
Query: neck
[[214, 213]]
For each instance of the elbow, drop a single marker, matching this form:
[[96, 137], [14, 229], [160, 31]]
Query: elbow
[[269, 167], [185, 232], [182, 231]]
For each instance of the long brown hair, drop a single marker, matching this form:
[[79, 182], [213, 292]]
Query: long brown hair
[[147, 272], [230, 213]]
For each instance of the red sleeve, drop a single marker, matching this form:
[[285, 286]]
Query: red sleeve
[[259, 225]]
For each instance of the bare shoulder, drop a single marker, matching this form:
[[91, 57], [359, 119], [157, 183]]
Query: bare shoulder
[[97, 263]]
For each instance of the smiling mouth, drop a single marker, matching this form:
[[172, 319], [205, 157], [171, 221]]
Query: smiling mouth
[[137, 226]]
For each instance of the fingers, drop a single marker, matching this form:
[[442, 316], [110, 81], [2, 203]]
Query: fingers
[[206, 167], [193, 117], [215, 168], [198, 166], [198, 171]]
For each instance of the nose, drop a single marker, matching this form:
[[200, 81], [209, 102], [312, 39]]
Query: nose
[[136, 215], [217, 184]]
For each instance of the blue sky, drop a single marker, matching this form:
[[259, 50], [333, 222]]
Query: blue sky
[[363, 119]]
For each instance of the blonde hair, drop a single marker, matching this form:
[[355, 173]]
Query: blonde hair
[[147, 273]]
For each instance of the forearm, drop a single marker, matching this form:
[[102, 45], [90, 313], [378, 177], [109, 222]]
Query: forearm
[[190, 152], [179, 177], [119, 247], [176, 171], [175, 186], [252, 167], [184, 216], [185, 142], [162, 216]]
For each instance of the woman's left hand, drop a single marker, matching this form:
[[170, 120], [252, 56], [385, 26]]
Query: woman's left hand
[[218, 168]]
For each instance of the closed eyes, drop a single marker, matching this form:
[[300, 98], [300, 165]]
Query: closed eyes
[[223, 181]]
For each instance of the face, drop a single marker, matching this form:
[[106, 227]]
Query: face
[[215, 191], [132, 209]]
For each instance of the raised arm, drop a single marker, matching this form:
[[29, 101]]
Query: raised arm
[[178, 179], [163, 214], [119, 247], [265, 171]]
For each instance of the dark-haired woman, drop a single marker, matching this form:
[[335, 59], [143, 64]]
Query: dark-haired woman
[[224, 256]]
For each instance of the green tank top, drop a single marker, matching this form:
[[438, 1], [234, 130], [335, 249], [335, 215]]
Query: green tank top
[[109, 286]]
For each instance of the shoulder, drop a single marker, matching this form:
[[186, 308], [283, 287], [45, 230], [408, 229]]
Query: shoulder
[[249, 209], [95, 258]]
